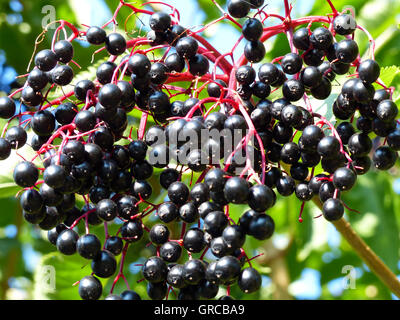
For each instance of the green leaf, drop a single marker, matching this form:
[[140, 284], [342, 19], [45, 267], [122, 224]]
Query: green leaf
[[55, 275], [388, 74]]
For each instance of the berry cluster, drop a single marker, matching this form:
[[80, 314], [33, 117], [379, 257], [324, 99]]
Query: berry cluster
[[84, 147]]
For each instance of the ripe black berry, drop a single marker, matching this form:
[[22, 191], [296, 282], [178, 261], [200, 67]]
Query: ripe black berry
[[62, 75], [369, 71], [25, 174], [252, 29], [384, 158], [344, 24], [261, 227], [193, 240], [160, 21], [96, 35], [155, 270], [115, 44], [301, 39], [187, 47], [291, 63], [254, 51], [170, 251], [238, 8], [321, 38], [64, 51], [333, 209], [194, 271], [114, 244], [178, 193], [88, 246], [90, 288], [67, 241], [159, 234], [104, 264], [249, 280], [236, 190], [45, 60]]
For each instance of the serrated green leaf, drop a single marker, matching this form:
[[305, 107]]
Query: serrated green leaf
[[388, 74]]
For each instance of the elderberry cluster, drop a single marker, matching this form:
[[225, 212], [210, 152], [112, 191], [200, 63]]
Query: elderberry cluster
[[84, 147]]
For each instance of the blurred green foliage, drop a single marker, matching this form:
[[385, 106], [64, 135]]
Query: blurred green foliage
[[311, 245]]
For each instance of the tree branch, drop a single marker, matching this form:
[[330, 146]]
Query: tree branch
[[370, 258]]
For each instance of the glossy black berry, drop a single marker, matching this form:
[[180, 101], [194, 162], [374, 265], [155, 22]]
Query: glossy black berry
[[90, 288], [45, 60], [328, 147], [321, 38], [114, 244], [346, 51], [198, 65], [67, 241], [62, 75], [193, 240], [16, 136], [158, 73], [43, 123], [188, 212], [194, 271], [104, 264], [387, 110], [227, 268], [249, 280], [175, 62], [344, 24], [369, 71], [160, 21], [359, 145], [82, 88], [285, 185], [344, 179], [187, 47], [261, 198], [175, 277], [96, 35], [236, 190], [55, 176], [254, 51], [155, 270], [261, 227], [393, 140], [7, 107], [115, 44], [345, 131], [301, 39], [88, 246], [167, 212], [170, 251], [333, 209], [234, 236], [252, 29], [215, 222], [291, 63], [238, 8], [293, 90], [64, 51], [245, 75], [159, 234], [178, 193], [130, 295], [25, 174], [384, 158]]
